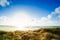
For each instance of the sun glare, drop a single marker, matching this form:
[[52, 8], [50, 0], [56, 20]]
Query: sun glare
[[20, 20]]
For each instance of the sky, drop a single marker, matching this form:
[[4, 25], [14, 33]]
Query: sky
[[30, 12]]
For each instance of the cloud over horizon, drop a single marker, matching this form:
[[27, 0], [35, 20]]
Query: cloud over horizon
[[53, 19]]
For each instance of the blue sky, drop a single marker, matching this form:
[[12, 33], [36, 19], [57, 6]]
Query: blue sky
[[41, 5], [39, 10]]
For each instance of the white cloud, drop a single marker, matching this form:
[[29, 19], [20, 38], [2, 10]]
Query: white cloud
[[47, 21], [3, 3], [57, 10]]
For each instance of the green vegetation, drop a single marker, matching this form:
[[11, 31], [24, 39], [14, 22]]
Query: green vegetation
[[40, 34]]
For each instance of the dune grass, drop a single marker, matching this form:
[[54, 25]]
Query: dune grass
[[40, 34]]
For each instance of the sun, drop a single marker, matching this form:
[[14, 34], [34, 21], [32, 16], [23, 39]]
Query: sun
[[20, 20]]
